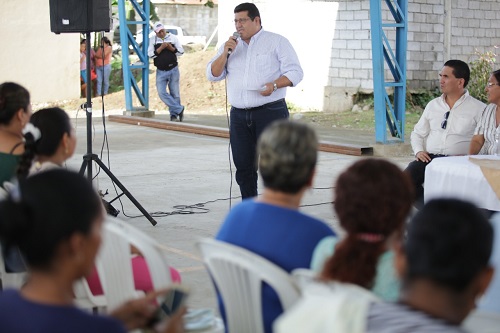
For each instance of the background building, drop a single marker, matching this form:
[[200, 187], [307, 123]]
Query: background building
[[332, 39]]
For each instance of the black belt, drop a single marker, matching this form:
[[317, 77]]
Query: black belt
[[262, 106], [166, 70]]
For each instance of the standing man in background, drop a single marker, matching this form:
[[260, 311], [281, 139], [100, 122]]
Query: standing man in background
[[258, 65], [447, 124], [164, 48]]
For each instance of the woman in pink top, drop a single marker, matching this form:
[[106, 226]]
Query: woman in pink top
[[102, 59], [83, 63]]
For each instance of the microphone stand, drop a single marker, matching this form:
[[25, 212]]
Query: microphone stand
[[89, 157]]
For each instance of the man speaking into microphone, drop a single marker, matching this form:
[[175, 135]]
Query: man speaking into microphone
[[258, 66]]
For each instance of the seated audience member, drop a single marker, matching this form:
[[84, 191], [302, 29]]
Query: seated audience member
[[271, 224], [490, 302], [372, 200], [483, 141], [48, 144], [446, 126], [55, 219], [15, 112], [444, 269]]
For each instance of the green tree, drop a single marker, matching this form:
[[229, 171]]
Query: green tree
[[480, 71], [209, 3]]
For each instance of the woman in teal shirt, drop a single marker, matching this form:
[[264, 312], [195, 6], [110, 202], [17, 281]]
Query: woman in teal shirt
[[372, 200], [15, 112]]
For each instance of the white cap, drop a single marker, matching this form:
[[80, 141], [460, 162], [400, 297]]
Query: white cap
[[158, 27]]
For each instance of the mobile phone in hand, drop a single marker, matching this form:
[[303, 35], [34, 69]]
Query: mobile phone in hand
[[171, 302]]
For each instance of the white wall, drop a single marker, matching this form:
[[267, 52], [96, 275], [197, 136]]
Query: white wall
[[333, 41], [309, 26], [31, 55]]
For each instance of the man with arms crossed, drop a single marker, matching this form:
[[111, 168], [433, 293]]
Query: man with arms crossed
[[258, 65], [447, 124], [164, 48]]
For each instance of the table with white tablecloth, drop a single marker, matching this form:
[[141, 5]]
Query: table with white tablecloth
[[458, 177]]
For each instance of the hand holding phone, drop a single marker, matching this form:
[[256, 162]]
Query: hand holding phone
[[171, 302]]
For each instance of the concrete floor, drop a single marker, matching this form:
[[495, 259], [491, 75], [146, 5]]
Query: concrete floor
[[164, 169]]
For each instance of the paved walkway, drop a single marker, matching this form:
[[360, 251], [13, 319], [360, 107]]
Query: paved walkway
[[166, 170]]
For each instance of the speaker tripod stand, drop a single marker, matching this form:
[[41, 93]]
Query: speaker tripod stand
[[90, 157]]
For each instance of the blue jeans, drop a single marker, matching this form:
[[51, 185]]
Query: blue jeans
[[245, 128], [83, 74], [103, 75], [172, 99]]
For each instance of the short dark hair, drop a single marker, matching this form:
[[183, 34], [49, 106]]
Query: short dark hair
[[53, 123], [460, 70], [48, 209], [251, 8], [287, 153], [449, 243], [12, 98]]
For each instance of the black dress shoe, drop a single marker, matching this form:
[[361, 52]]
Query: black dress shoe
[[181, 115], [173, 118]]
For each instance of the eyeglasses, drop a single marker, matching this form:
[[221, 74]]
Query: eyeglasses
[[491, 84], [242, 20], [445, 121]]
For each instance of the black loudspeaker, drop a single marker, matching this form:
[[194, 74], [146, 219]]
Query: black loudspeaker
[[80, 15]]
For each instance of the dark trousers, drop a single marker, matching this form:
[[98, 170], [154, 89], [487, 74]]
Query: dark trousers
[[416, 170], [246, 125]]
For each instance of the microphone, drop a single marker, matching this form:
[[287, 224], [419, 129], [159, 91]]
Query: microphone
[[235, 37]]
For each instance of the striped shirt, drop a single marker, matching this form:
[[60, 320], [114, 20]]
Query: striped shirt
[[487, 126], [400, 318], [267, 57]]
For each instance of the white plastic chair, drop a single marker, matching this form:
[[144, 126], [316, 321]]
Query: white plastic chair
[[3, 193], [114, 264], [303, 277], [239, 275], [84, 299], [8, 279]]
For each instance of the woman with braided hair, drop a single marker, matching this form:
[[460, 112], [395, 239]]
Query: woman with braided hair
[[372, 202], [373, 198], [49, 141]]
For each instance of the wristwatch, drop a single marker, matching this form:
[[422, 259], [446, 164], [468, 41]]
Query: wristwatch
[[275, 86]]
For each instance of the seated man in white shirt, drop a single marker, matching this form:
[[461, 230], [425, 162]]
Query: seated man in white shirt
[[447, 124]]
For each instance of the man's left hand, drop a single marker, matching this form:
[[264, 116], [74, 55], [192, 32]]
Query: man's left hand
[[269, 88]]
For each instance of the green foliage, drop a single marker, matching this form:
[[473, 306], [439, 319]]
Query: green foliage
[[480, 71], [116, 77], [209, 4], [417, 100], [292, 107], [363, 99]]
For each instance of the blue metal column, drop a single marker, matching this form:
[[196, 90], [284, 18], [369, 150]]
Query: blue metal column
[[389, 113], [126, 39]]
